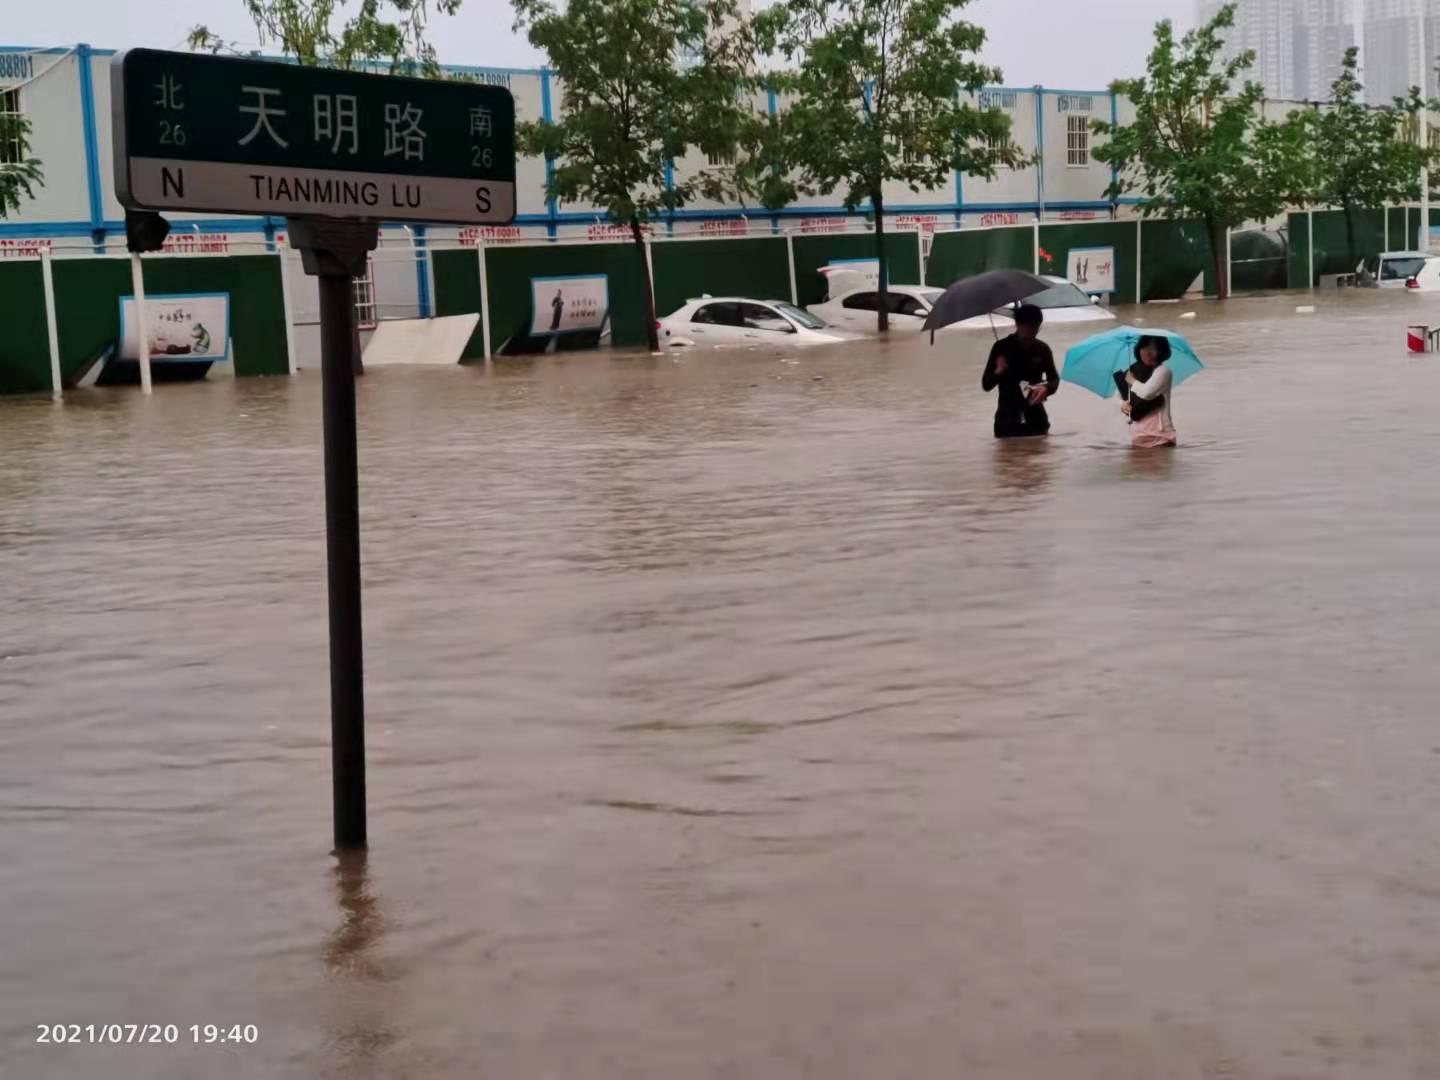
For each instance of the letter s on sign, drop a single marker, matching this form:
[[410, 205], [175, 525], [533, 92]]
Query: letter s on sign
[[482, 199]]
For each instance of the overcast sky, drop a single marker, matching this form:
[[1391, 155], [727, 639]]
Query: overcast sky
[[1054, 42]]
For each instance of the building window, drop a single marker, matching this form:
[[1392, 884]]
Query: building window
[[911, 156], [997, 149], [363, 290], [1077, 141], [720, 158], [12, 147]]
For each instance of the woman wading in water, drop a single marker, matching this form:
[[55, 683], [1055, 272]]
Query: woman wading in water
[[1147, 387]]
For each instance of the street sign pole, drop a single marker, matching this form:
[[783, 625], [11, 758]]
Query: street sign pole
[[342, 543], [335, 252], [335, 153]]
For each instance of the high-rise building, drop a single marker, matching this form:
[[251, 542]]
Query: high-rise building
[[1430, 49], [1266, 28], [1324, 30], [1396, 49], [1298, 44]]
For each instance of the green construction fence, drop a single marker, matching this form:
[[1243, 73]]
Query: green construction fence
[[456, 275], [762, 266], [1395, 229], [87, 311], [1172, 254], [687, 269], [966, 252], [1121, 237], [814, 250], [25, 344], [508, 272], [1297, 256]]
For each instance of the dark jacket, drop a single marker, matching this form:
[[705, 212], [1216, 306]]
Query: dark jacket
[[1139, 407], [1029, 362]]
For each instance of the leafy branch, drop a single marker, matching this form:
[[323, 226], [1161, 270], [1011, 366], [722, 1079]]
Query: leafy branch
[[20, 173], [315, 32]]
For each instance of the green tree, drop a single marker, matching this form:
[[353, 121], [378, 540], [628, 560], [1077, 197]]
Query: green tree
[[1363, 157], [20, 173], [874, 96], [643, 82], [1198, 146], [317, 32]]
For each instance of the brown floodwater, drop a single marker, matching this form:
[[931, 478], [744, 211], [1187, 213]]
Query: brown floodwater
[[733, 717]]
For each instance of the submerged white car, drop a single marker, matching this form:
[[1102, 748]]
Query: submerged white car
[[1413, 270], [856, 309], [738, 321]]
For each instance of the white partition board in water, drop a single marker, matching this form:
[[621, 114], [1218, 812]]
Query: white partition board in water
[[420, 341]]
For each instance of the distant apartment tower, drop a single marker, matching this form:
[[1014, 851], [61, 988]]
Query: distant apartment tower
[[1298, 44], [1324, 31], [1266, 28], [1402, 47]]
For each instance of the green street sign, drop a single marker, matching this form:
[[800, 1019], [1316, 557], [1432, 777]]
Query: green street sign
[[222, 135]]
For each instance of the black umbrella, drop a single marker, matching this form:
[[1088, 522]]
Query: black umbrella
[[980, 295]]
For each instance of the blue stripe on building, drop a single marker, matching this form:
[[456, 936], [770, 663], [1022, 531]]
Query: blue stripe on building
[[547, 114], [1039, 152], [92, 146]]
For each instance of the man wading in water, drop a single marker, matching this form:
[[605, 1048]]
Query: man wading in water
[[1023, 367]]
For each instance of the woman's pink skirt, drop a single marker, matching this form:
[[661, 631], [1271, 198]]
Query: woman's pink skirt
[[1152, 431]]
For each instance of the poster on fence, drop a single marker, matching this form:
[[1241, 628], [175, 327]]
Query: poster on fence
[[194, 326], [562, 304], [1093, 269]]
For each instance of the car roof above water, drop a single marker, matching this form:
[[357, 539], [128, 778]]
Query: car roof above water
[[731, 300], [902, 290]]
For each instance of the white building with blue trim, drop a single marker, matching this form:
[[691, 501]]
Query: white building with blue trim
[[65, 94]]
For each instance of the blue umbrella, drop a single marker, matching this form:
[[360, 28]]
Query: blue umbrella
[[1094, 362]]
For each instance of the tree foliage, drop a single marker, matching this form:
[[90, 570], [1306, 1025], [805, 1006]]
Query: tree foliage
[[644, 83], [337, 33], [1362, 156], [1199, 147], [20, 173], [875, 96]]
